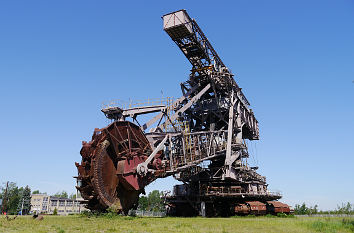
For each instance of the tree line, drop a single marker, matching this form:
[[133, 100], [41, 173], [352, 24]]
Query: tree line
[[303, 209], [152, 202], [17, 200]]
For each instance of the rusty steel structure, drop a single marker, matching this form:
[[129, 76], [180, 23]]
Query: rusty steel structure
[[199, 138]]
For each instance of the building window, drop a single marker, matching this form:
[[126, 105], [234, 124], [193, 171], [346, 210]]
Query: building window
[[69, 203], [54, 203], [61, 203]]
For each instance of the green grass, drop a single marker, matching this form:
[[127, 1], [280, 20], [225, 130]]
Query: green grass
[[63, 224]]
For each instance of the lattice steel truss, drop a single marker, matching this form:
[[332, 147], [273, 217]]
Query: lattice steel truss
[[209, 122]]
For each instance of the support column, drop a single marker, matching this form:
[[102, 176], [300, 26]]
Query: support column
[[239, 123]]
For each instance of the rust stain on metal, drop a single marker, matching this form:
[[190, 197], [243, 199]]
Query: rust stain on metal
[[199, 138]]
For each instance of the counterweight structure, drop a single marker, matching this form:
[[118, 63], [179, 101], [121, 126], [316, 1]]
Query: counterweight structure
[[200, 139]]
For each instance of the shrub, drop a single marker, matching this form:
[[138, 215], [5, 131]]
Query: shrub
[[282, 215]]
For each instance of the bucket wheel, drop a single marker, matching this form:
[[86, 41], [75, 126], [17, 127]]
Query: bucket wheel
[[107, 172]]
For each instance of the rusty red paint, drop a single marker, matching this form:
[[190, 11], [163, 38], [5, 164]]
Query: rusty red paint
[[108, 167], [278, 207]]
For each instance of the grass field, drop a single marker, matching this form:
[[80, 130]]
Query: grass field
[[63, 224]]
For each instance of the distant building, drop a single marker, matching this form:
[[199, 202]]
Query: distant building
[[44, 204]]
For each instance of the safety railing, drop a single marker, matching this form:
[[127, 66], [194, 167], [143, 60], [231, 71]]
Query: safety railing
[[124, 104]]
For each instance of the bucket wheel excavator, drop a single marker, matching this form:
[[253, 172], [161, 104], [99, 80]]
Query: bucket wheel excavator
[[199, 138]]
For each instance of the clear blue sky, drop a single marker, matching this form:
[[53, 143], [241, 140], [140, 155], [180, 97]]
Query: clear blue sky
[[59, 60]]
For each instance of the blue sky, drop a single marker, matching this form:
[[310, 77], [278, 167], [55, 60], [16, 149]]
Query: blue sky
[[59, 60]]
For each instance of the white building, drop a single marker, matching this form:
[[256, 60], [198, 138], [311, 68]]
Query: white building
[[44, 204]]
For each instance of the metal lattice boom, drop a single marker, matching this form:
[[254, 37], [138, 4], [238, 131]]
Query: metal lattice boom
[[199, 138]]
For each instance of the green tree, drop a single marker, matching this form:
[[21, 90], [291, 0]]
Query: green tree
[[143, 203], [72, 196], [19, 204], [301, 209], [347, 208], [314, 210], [55, 211], [24, 204], [12, 197], [155, 202], [2, 192], [35, 192], [61, 194]]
